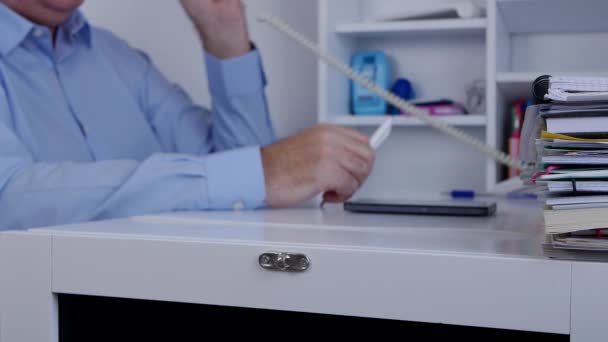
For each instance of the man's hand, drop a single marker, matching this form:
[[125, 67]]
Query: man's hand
[[326, 159], [222, 26]]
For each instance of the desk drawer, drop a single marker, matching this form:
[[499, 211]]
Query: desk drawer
[[505, 293]]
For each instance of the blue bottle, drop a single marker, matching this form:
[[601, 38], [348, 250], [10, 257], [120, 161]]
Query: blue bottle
[[374, 65]]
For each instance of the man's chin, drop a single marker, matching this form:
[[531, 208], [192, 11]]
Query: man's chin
[[56, 12], [66, 6]]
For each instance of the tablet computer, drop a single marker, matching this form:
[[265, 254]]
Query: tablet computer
[[422, 207]]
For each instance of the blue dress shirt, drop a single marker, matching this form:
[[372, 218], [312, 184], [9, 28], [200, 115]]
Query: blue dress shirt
[[90, 130]]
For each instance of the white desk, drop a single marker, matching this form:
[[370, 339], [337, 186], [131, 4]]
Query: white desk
[[482, 272]]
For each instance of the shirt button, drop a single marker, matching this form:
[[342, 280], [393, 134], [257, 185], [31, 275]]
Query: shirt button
[[238, 206], [38, 33]]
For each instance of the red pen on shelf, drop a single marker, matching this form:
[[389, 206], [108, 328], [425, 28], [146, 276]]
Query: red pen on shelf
[[517, 117]]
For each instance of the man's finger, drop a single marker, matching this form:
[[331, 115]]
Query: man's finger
[[360, 137], [362, 151], [355, 166], [345, 185], [331, 197]]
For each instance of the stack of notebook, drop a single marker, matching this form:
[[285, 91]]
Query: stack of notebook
[[572, 155], [578, 89]]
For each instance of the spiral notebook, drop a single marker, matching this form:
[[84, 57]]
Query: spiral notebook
[[578, 89]]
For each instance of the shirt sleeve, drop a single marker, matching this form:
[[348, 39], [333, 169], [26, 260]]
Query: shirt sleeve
[[42, 194], [239, 115], [238, 120], [34, 194]]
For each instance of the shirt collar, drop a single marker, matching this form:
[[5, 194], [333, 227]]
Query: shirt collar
[[78, 25], [14, 28]]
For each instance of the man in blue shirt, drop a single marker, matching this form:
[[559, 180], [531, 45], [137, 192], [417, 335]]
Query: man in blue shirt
[[90, 129]]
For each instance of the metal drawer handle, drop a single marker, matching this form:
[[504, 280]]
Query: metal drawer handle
[[284, 262]]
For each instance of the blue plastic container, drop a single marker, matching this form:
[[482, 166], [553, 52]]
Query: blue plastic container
[[375, 66]]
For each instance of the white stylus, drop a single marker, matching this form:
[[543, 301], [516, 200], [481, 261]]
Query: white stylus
[[381, 134]]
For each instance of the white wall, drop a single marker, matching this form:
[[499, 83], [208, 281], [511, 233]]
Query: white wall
[[161, 28]]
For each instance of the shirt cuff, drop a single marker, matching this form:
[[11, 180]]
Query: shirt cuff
[[235, 179], [236, 76]]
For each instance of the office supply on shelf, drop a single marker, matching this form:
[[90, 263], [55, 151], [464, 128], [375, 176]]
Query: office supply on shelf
[[436, 123], [374, 66], [404, 89], [431, 102], [381, 134], [517, 118], [476, 97], [461, 9], [441, 109]]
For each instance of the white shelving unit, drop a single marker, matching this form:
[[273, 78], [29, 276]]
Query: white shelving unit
[[419, 27], [403, 121], [519, 41], [530, 38]]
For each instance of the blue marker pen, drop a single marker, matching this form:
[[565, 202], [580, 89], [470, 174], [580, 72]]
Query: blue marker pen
[[470, 194], [463, 194]]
